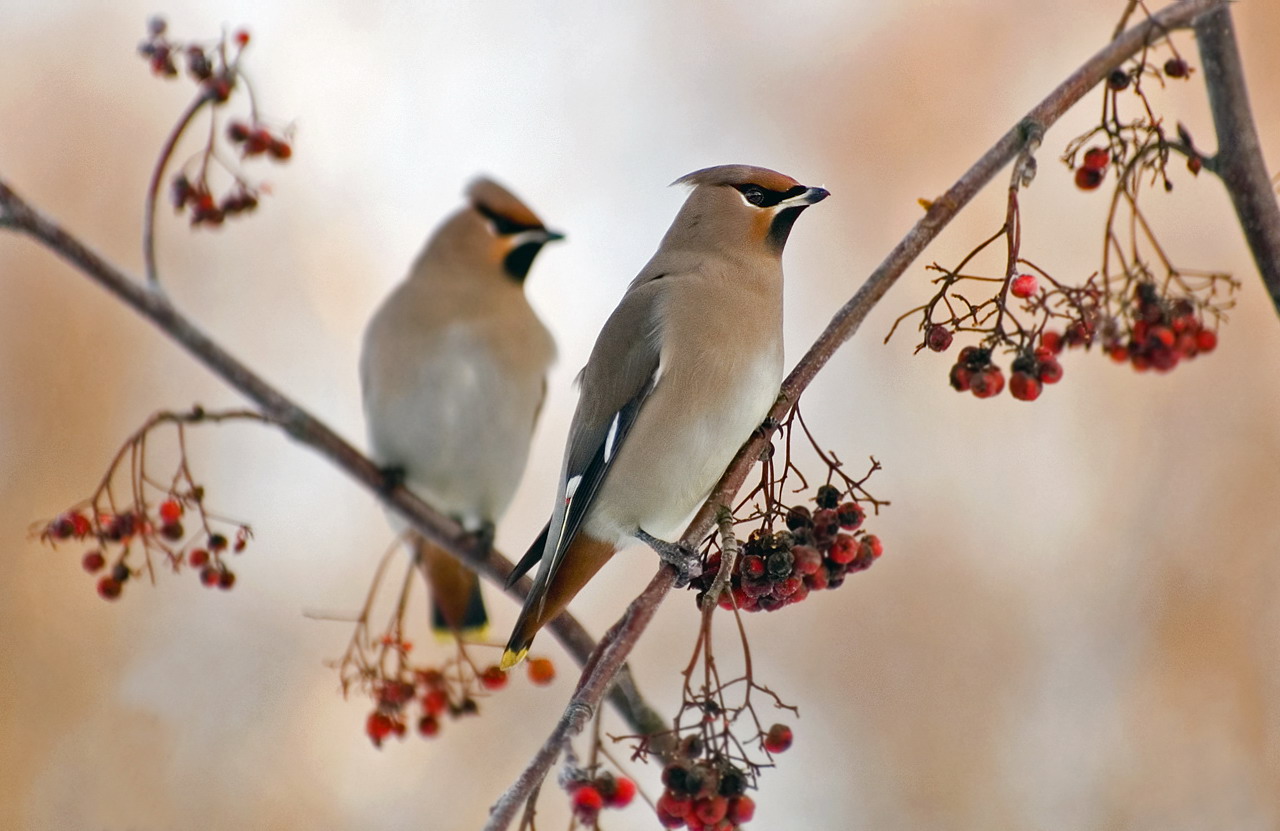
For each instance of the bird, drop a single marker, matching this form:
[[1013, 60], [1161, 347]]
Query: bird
[[453, 372], [684, 369]]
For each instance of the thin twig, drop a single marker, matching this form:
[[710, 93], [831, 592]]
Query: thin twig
[[616, 644], [153, 188]]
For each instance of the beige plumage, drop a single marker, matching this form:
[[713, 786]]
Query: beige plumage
[[683, 370], [453, 372]]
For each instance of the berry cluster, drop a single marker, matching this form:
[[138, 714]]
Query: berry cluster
[[1161, 332], [426, 695], [704, 794], [208, 65], [974, 371], [1093, 170], [779, 568], [590, 795], [159, 531], [216, 69]]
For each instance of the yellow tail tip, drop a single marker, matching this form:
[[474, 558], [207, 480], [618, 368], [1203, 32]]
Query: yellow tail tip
[[510, 659]]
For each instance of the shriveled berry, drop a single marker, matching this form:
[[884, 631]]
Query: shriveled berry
[[1088, 178], [279, 150], [828, 496], [779, 564], [238, 131], [541, 671], [938, 338], [961, 378], [429, 726], [987, 383], [109, 588], [1176, 68], [1024, 286], [93, 562], [778, 738], [1118, 80], [493, 678], [1024, 387]]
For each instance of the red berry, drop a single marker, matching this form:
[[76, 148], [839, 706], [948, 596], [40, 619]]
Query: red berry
[[1024, 387], [987, 383], [93, 562], [753, 567], [1052, 341], [778, 738], [1194, 164], [377, 727], [1049, 372], [1206, 340], [872, 545], [710, 810], [741, 809], [844, 549], [541, 671], [1097, 158], [279, 150], [1088, 178], [961, 378], [435, 702], [209, 576], [1175, 68], [242, 38], [1024, 285], [938, 338], [80, 525], [109, 588], [587, 802], [428, 726], [197, 557], [170, 510], [493, 678], [807, 559], [1161, 334], [624, 791]]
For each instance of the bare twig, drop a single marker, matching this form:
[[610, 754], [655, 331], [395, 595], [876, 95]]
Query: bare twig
[[153, 187], [16, 213], [1239, 160], [613, 648]]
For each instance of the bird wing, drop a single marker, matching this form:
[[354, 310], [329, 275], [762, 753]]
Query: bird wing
[[621, 374]]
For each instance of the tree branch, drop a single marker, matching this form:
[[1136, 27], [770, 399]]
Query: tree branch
[[1239, 160], [151, 304], [614, 647]]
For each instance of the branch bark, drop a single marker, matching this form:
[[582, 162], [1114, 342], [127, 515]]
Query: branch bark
[[152, 305], [1239, 160], [610, 655]]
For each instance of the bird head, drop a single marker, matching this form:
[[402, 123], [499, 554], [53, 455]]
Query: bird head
[[743, 205], [512, 233]]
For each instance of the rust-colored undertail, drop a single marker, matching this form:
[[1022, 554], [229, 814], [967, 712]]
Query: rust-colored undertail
[[584, 557], [457, 607]]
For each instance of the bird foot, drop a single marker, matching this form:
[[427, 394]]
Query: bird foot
[[482, 539], [392, 477], [685, 561]]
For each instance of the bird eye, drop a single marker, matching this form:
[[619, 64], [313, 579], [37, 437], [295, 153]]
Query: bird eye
[[753, 194]]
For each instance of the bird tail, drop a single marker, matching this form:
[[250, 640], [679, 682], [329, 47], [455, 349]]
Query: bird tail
[[584, 557], [457, 607]]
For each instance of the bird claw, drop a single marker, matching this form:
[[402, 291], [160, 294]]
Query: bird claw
[[684, 560], [482, 539]]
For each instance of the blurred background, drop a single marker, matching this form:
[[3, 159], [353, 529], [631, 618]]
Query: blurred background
[[1074, 625]]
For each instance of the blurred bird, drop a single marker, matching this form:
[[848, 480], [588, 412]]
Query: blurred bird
[[454, 370], [682, 372]]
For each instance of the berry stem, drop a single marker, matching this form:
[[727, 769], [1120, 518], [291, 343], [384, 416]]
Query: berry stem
[[153, 187]]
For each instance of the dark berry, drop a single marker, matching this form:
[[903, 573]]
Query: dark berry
[[1118, 80], [828, 496], [1176, 68], [938, 338], [1088, 178], [778, 738]]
